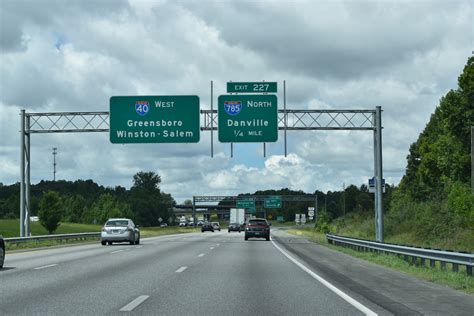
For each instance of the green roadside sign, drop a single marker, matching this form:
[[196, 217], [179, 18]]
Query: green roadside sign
[[246, 203], [247, 118], [154, 119], [251, 87], [272, 202]]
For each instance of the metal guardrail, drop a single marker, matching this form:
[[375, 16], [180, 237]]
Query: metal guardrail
[[78, 236], [443, 256]]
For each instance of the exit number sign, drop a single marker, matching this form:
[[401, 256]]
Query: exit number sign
[[252, 87]]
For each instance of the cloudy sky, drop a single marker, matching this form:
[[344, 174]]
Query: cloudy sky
[[59, 56]]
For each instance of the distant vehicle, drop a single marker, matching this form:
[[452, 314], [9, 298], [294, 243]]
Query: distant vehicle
[[182, 224], [216, 226], [200, 222], [191, 224], [120, 230], [2, 251], [257, 227], [234, 227], [206, 226], [162, 225]]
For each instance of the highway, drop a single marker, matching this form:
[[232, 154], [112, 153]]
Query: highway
[[214, 273]]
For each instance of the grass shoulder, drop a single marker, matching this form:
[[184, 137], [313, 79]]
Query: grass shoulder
[[456, 280], [10, 228]]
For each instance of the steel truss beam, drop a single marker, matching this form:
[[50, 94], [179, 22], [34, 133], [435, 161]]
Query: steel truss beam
[[68, 122], [257, 198], [309, 120], [71, 122]]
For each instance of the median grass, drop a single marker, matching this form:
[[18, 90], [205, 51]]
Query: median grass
[[456, 280], [11, 228]]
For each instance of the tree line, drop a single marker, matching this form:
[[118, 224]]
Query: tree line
[[84, 201], [434, 198]]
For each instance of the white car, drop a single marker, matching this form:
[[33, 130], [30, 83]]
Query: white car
[[216, 226], [120, 230]]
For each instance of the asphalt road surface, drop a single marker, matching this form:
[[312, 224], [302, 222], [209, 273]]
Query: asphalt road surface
[[214, 273]]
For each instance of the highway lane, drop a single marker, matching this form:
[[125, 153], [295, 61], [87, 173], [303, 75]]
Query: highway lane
[[218, 273], [187, 274]]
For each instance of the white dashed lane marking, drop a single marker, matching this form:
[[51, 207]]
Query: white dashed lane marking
[[181, 269], [45, 267], [133, 304]]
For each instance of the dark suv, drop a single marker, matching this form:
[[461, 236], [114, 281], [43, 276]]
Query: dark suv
[[2, 251], [257, 227], [206, 226]]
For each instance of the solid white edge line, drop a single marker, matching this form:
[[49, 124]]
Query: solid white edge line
[[133, 304], [48, 266], [343, 295], [181, 269]]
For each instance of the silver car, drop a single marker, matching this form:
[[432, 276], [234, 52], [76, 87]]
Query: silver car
[[120, 230]]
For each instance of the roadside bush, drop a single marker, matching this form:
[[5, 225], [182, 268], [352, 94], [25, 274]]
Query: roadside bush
[[323, 223], [460, 203], [50, 211]]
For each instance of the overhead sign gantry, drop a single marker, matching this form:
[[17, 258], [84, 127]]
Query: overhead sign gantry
[[134, 115]]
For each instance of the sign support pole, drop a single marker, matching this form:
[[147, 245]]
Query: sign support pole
[[284, 114], [194, 210], [22, 175], [212, 120], [27, 180], [378, 174]]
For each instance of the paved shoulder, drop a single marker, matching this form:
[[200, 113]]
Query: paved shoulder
[[395, 292]]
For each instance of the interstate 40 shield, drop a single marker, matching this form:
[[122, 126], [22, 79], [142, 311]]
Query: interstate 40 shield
[[247, 118]]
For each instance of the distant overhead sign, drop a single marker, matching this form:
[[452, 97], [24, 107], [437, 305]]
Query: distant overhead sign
[[272, 202], [154, 119], [246, 203], [251, 87], [247, 118]]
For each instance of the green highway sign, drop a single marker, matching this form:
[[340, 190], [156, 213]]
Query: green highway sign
[[154, 119], [248, 203], [251, 87], [247, 118], [272, 202]]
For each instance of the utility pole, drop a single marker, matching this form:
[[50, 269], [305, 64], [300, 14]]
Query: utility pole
[[54, 162]]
